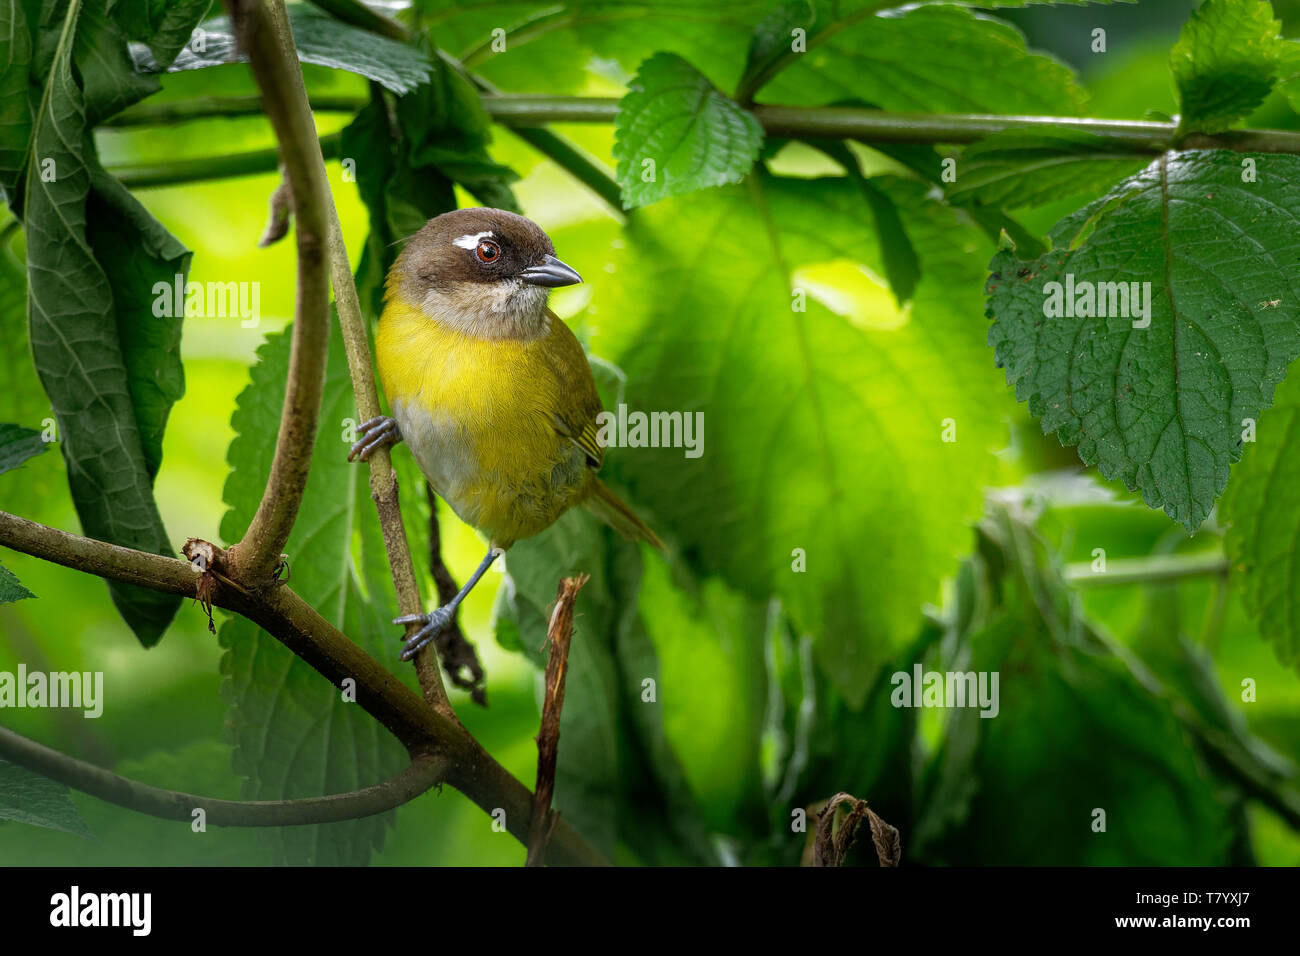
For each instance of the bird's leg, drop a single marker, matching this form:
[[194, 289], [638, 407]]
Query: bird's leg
[[440, 618], [380, 430]]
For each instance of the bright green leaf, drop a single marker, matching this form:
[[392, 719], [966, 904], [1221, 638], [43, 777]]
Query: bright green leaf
[[817, 426], [930, 59], [1017, 168]]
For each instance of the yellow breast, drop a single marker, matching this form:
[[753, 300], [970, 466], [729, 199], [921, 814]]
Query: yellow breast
[[478, 414]]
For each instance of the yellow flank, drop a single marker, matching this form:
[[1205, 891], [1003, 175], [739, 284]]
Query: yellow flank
[[492, 422]]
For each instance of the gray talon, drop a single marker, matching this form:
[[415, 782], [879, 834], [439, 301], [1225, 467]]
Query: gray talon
[[379, 431], [434, 624]]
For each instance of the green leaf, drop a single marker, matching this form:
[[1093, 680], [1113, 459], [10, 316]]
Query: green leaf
[[902, 267], [931, 59], [27, 797], [1016, 168], [169, 35], [803, 409], [15, 95], [11, 589], [136, 253], [17, 444], [107, 72], [110, 415], [321, 40], [1262, 505], [677, 128], [1076, 724], [293, 733], [613, 752], [1224, 62], [1159, 408]]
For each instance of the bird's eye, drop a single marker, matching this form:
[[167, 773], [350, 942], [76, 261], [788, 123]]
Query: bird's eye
[[487, 251]]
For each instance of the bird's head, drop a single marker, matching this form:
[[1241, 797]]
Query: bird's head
[[485, 271]]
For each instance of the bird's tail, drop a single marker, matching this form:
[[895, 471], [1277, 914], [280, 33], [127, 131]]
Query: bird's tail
[[607, 506]]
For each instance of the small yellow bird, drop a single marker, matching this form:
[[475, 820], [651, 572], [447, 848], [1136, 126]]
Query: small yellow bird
[[488, 388]]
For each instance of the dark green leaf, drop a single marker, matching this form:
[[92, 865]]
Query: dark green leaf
[[1262, 505], [17, 444], [1159, 407], [11, 589], [80, 352], [15, 94], [27, 797], [321, 40], [1077, 726], [107, 72], [1224, 62], [675, 134]]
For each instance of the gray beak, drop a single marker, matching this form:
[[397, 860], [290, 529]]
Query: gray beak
[[552, 273]]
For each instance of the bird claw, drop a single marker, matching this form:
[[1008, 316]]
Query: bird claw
[[379, 431], [434, 624]]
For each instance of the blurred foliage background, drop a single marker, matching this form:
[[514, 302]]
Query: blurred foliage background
[[752, 721]]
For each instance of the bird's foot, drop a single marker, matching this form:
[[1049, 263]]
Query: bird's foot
[[379, 431], [434, 624]]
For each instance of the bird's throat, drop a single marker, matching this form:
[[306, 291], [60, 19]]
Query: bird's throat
[[509, 309]]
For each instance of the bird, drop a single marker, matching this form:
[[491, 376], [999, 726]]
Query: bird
[[488, 388]]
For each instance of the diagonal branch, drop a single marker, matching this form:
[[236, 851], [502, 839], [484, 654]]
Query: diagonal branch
[[289, 619], [422, 774]]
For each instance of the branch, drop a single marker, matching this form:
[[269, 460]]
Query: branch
[[284, 98], [527, 115], [216, 107], [1147, 570], [422, 774], [286, 617], [559, 633], [383, 481]]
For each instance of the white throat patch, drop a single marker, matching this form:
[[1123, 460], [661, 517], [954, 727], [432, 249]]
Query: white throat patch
[[471, 241]]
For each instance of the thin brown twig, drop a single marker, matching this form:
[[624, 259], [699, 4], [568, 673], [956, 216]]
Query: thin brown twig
[[421, 775], [559, 633]]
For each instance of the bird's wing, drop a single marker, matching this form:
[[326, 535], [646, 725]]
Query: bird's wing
[[576, 421]]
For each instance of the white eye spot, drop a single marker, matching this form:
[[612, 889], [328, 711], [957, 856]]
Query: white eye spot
[[470, 242]]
